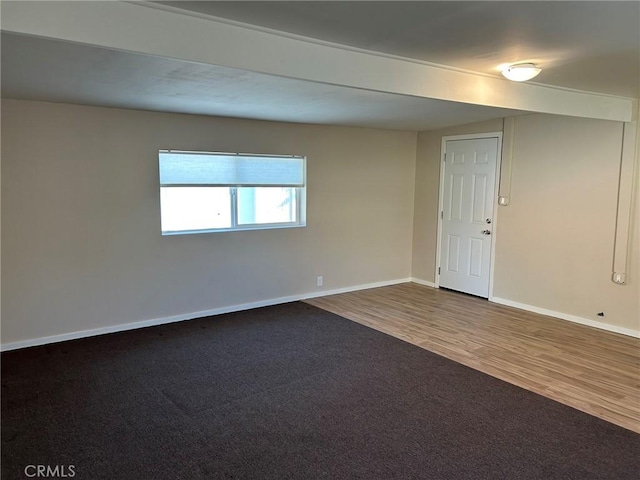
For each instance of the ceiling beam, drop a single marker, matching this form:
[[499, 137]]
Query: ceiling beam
[[135, 27]]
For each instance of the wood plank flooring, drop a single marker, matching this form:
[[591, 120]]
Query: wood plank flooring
[[589, 369]]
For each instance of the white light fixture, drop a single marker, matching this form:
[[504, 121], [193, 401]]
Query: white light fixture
[[521, 72]]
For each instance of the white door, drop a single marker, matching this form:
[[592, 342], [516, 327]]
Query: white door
[[467, 214]]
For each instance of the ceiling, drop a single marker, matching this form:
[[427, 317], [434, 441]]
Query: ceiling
[[585, 45], [591, 46], [40, 69]]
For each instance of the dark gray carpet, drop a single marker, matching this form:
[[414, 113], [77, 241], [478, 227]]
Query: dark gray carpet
[[286, 392]]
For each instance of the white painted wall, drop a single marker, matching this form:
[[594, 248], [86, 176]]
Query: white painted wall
[[81, 243]]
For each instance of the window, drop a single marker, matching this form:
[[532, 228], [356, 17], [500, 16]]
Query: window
[[208, 192]]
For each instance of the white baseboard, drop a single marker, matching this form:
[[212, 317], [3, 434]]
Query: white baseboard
[[190, 316], [426, 283], [292, 298], [565, 316], [365, 286]]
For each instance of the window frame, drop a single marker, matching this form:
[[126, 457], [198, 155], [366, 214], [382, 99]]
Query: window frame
[[300, 194]]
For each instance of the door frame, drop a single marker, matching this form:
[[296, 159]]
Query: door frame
[[494, 220]]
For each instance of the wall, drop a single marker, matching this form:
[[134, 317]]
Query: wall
[[81, 243], [555, 241], [82, 250]]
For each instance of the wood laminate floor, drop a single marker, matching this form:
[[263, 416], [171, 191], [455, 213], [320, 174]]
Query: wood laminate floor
[[589, 369]]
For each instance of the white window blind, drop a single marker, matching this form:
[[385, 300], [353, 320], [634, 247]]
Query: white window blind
[[213, 169]]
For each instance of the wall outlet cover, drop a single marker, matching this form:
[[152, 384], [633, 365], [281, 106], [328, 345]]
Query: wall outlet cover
[[619, 278]]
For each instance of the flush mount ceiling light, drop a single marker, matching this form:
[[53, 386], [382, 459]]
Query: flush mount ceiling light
[[521, 72]]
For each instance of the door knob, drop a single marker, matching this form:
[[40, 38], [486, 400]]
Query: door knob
[[488, 220], [486, 232]]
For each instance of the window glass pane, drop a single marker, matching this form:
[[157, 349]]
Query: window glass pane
[[260, 205], [195, 208]]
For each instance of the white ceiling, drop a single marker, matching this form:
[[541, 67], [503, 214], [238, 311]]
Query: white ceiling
[[585, 45], [576, 44], [48, 70]]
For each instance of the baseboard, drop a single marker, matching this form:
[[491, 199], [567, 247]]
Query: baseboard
[[293, 298], [426, 283], [365, 286], [190, 316], [565, 316]]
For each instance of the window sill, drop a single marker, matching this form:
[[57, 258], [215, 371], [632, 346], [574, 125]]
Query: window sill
[[270, 226]]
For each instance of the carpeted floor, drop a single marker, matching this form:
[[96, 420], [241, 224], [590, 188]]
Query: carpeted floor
[[286, 392]]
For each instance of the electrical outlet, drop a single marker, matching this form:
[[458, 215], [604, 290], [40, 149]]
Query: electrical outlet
[[618, 278], [319, 281]]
